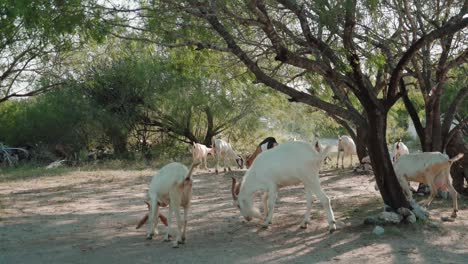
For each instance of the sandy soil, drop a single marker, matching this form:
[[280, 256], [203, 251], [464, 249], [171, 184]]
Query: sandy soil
[[90, 217]]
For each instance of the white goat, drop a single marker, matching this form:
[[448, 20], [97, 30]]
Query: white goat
[[345, 144], [431, 168], [399, 149], [287, 164], [200, 153], [224, 150], [172, 186]]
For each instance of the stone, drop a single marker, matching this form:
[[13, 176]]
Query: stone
[[405, 212], [378, 230], [411, 218], [371, 221], [390, 217], [418, 211]]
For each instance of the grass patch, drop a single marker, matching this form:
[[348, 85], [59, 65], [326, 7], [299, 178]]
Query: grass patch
[[362, 207], [31, 171]]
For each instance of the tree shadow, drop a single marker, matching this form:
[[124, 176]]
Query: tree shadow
[[94, 222]]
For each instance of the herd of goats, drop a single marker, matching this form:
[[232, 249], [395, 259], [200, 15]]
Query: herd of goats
[[273, 166]]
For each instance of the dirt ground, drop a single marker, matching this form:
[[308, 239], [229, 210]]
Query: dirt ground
[[90, 217]]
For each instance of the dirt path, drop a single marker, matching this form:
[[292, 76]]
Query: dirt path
[[90, 217]]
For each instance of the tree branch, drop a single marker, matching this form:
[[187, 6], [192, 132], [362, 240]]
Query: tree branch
[[450, 27], [452, 110], [32, 93], [298, 96]]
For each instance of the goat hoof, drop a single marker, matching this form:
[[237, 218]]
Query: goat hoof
[[332, 229], [175, 245], [149, 237], [182, 241], [265, 226], [303, 226]]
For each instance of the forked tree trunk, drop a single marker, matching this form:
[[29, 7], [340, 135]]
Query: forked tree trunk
[[381, 163]]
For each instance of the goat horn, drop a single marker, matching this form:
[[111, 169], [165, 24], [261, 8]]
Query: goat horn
[[233, 187]]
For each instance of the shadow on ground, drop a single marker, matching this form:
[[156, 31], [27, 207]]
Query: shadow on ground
[[91, 218]]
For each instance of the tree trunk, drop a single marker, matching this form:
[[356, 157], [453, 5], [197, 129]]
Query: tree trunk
[[119, 143], [426, 143], [209, 130], [459, 169], [436, 127], [389, 186], [361, 142]]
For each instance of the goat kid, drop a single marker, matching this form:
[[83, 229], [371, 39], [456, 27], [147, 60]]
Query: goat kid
[[431, 168], [347, 146], [200, 153], [172, 186], [266, 144], [224, 151], [288, 164]]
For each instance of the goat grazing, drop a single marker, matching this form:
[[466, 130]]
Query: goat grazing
[[267, 143], [347, 146], [172, 186], [399, 149], [200, 153], [288, 164], [224, 150], [431, 168]]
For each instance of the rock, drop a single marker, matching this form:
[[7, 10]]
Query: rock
[[387, 208], [447, 219], [434, 225], [367, 167], [411, 218], [371, 221], [378, 230], [419, 212], [390, 217], [408, 215], [405, 212]]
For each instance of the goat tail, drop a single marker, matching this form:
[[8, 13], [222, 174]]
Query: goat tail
[[457, 157], [189, 174]]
